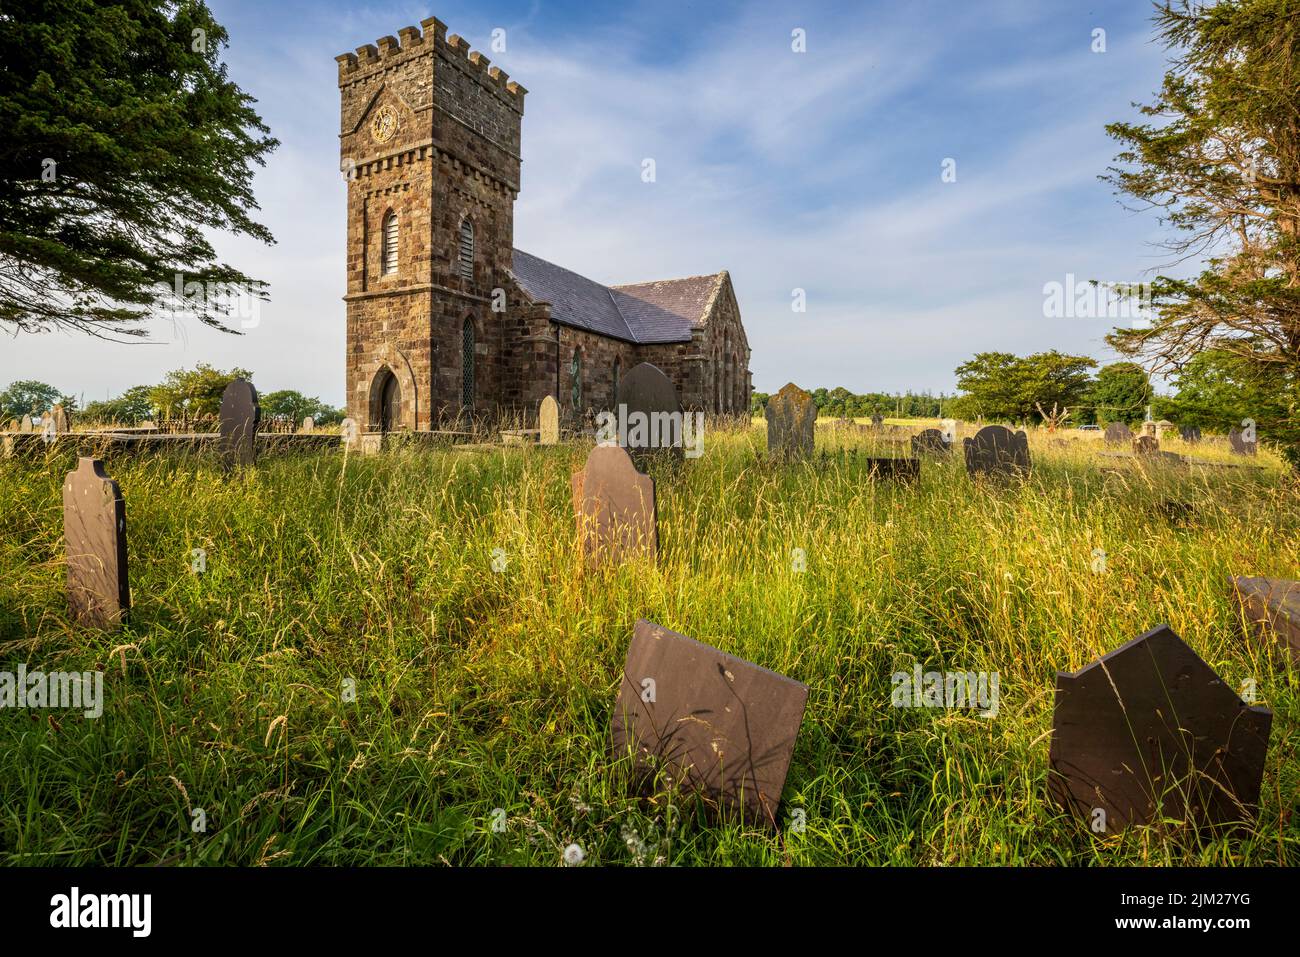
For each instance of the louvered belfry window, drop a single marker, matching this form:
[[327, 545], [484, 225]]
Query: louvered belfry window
[[390, 244], [466, 250]]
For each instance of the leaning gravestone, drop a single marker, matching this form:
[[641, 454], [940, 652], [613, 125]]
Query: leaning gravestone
[[1190, 434], [1272, 605], [932, 442], [996, 450], [240, 416], [309, 425], [1237, 442], [614, 506], [791, 423], [94, 532], [1117, 433], [711, 723], [1150, 732], [548, 421], [649, 414]]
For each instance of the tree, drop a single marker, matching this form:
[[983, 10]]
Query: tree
[[295, 406], [27, 396], [1223, 170], [132, 406], [1121, 393], [1218, 390], [123, 142], [201, 386], [999, 385]]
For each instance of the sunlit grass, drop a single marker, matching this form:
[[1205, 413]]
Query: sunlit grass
[[478, 690]]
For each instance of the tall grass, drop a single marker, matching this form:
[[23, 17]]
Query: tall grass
[[477, 690]]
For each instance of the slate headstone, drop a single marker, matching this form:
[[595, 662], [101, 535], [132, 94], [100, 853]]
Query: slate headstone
[[930, 442], [94, 532], [1273, 606], [709, 722], [240, 416], [548, 421], [791, 423], [614, 507], [996, 450], [1190, 434], [1150, 732], [649, 413], [1117, 433]]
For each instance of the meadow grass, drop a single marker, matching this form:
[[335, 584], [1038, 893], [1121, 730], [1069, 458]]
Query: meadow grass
[[478, 690]]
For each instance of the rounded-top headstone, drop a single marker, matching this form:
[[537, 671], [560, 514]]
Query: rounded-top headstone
[[647, 403], [1118, 433], [997, 450], [930, 441], [548, 421], [791, 422], [309, 424], [240, 417]]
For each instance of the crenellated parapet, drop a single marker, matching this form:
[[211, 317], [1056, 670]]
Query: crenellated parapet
[[389, 52]]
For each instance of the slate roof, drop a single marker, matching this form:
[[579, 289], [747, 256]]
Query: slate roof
[[649, 312]]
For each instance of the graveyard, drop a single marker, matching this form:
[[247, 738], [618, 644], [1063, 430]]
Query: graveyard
[[411, 657]]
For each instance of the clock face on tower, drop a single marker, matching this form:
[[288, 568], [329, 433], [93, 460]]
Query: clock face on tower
[[384, 125]]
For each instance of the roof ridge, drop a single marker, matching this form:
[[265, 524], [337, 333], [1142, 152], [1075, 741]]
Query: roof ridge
[[703, 275]]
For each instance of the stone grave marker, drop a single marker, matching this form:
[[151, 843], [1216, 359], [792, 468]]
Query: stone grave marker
[[649, 413], [1117, 433], [996, 450], [614, 507], [877, 420], [1190, 434], [309, 425], [1146, 445], [930, 442], [548, 421], [94, 532], [62, 421], [1149, 428], [791, 423], [1150, 731], [1272, 605], [24, 423], [240, 416], [709, 722], [949, 429], [1237, 442], [348, 429]]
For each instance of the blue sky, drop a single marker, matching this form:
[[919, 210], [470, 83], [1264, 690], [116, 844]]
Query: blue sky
[[818, 171]]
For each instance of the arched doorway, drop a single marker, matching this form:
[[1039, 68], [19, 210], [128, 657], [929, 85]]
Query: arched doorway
[[387, 398]]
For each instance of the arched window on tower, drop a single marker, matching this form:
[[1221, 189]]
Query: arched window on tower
[[466, 250], [467, 363], [388, 244]]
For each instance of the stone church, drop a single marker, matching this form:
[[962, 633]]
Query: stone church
[[444, 316]]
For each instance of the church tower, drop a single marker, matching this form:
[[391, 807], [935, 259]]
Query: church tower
[[430, 143]]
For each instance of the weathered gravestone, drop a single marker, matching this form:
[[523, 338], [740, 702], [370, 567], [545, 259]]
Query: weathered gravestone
[[548, 421], [94, 532], [350, 431], [24, 423], [949, 429], [1150, 732], [240, 416], [1146, 445], [931, 442], [1190, 434], [996, 450], [791, 423], [62, 421], [614, 506], [1240, 445], [1272, 605], [877, 421], [710, 722], [1117, 433], [309, 425], [649, 414], [1149, 428]]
